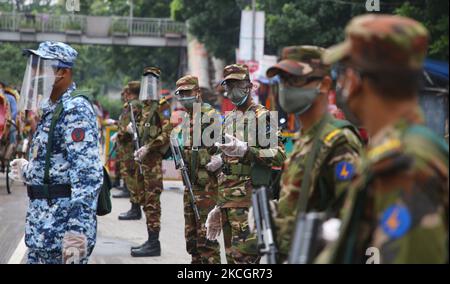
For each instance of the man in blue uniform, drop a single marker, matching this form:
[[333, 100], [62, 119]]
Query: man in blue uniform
[[61, 223]]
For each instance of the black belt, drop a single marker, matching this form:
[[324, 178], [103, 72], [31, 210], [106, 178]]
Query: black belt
[[49, 191]]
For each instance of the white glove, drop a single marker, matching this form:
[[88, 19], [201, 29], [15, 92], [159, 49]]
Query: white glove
[[74, 247], [140, 154], [251, 216], [25, 145], [214, 224], [215, 163], [114, 138], [17, 169], [130, 128], [234, 148], [330, 230], [110, 121]]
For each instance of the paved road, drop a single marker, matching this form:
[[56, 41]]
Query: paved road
[[114, 237]]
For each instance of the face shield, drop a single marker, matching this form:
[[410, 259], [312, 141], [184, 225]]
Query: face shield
[[150, 88], [37, 83]]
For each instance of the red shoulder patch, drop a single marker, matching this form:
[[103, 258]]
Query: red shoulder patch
[[78, 135]]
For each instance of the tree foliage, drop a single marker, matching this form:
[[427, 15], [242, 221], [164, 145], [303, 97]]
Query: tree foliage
[[214, 23]]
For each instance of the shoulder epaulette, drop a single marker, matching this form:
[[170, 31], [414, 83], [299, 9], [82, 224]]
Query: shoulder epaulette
[[385, 149]]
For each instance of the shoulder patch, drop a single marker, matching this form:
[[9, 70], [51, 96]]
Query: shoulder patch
[[396, 221], [78, 134], [331, 135], [345, 171], [390, 145]]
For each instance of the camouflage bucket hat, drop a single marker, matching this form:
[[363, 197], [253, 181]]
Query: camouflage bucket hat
[[187, 83], [380, 42], [304, 60], [155, 71], [235, 72]]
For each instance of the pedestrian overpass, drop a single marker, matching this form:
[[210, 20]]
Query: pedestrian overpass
[[79, 29]]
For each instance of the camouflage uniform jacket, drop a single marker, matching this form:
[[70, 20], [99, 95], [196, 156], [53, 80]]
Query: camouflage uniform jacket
[[75, 161], [331, 174], [204, 182], [155, 127], [235, 181], [399, 203], [125, 139]]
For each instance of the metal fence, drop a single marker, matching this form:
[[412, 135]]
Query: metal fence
[[46, 23]]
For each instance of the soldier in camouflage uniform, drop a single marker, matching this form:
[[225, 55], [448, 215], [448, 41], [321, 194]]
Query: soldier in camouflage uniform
[[397, 207], [154, 134], [204, 183], [238, 158], [304, 88], [61, 222], [125, 149]]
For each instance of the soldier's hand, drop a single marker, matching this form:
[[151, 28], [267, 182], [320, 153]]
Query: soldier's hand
[[215, 163], [330, 230], [130, 128], [17, 169], [140, 154], [110, 121], [234, 148], [114, 138], [213, 224], [74, 247], [273, 205]]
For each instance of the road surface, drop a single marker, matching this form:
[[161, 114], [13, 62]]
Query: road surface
[[114, 237]]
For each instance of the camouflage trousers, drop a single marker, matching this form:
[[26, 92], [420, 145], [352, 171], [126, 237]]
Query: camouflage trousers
[[48, 257], [150, 185], [240, 244], [128, 173], [202, 251]]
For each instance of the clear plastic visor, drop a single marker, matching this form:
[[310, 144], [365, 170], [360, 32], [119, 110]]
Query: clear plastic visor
[[150, 88], [37, 83]]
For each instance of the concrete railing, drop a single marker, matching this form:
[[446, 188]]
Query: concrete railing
[[100, 26]]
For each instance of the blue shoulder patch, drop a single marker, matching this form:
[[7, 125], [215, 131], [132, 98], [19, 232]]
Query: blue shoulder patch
[[166, 113], [396, 221], [345, 171]]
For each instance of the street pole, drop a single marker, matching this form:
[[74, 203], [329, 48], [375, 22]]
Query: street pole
[[253, 30], [131, 17]]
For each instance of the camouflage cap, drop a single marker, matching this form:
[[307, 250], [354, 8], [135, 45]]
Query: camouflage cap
[[381, 42], [187, 83], [235, 72], [134, 87], [155, 71], [303, 60], [53, 50]]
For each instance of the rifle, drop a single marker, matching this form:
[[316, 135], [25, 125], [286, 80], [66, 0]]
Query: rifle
[[261, 212], [306, 240], [180, 165], [136, 140]]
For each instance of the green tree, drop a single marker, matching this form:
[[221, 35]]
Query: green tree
[[214, 23], [434, 15]]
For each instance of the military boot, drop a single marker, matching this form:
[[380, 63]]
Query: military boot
[[150, 248], [123, 192], [133, 214]]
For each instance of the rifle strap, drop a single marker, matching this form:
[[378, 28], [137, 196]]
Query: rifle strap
[[55, 118], [193, 166], [306, 182], [152, 111]]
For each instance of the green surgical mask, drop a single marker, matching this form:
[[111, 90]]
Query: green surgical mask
[[188, 102], [238, 96], [297, 100]]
